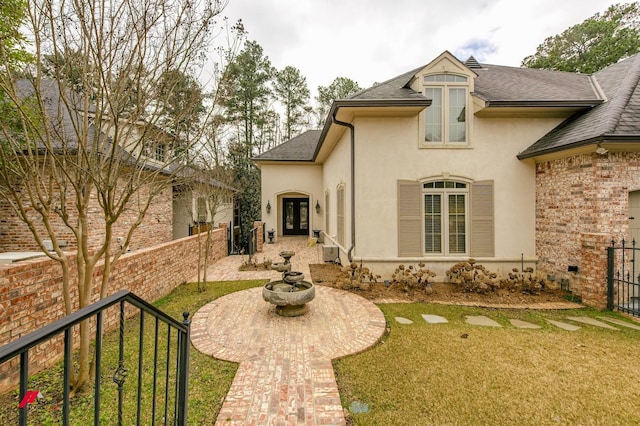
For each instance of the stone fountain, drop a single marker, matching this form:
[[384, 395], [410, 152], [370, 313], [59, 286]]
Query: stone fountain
[[290, 294]]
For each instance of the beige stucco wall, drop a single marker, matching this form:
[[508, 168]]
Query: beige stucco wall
[[388, 149], [286, 180]]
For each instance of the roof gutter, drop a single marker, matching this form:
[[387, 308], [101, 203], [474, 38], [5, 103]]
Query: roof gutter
[[544, 104], [353, 178]]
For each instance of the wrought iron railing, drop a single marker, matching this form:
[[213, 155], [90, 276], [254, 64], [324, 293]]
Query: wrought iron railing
[[623, 278], [165, 363]]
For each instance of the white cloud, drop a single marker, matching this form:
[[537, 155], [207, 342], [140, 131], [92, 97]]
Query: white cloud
[[374, 40]]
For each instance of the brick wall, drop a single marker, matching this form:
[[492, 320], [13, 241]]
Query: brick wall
[[575, 198], [156, 228], [31, 291]]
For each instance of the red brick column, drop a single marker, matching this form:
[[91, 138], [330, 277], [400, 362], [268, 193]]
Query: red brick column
[[259, 235], [593, 249], [225, 226]]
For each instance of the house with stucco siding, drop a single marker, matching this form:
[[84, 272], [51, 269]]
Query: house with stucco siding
[[454, 159]]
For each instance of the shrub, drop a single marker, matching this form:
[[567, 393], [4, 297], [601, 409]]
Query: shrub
[[525, 281], [251, 264], [356, 276], [413, 277], [473, 277]]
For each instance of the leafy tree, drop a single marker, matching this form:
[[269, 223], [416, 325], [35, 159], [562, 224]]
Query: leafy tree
[[13, 51], [595, 43], [246, 179], [182, 100], [291, 90], [80, 158], [340, 88], [246, 95]]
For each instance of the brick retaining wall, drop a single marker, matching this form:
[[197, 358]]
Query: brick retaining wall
[[31, 291]]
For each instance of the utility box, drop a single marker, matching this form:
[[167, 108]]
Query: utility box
[[329, 253]]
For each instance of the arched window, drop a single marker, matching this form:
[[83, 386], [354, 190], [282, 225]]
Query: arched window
[[446, 117], [446, 209]]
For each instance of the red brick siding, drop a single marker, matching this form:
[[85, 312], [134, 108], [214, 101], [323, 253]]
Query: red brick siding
[[156, 227], [31, 291], [585, 194]]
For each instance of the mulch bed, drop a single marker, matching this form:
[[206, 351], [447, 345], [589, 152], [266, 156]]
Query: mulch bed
[[326, 274]]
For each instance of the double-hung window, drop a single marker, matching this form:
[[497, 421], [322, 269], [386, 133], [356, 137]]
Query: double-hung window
[[445, 217], [446, 117]]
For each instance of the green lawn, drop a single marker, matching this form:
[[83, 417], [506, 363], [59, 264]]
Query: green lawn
[[419, 374], [457, 374], [209, 379]]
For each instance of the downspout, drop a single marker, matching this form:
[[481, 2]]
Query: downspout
[[353, 179]]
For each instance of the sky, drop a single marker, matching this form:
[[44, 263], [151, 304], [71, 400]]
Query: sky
[[371, 41]]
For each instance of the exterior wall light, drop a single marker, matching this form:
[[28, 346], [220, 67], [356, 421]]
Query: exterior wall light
[[317, 206], [268, 207]]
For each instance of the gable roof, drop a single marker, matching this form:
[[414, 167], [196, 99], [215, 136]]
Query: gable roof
[[616, 119], [607, 100]]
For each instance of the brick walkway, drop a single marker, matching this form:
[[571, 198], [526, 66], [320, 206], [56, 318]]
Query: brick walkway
[[285, 375]]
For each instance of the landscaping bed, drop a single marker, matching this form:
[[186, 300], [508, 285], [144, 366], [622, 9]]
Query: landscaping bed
[[328, 274]]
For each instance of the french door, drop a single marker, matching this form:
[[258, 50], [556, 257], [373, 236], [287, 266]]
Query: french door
[[295, 216]]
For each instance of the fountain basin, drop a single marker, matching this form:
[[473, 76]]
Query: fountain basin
[[290, 298]]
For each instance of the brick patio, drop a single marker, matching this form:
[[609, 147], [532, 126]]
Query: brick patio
[[285, 375]]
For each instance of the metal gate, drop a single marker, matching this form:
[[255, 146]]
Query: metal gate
[[623, 278]]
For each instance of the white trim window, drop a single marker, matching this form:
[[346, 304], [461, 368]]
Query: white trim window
[[446, 117], [446, 217]]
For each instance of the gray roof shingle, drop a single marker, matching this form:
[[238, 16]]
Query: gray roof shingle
[[300, 148], [617, 117], [512, 84], [501, 85]]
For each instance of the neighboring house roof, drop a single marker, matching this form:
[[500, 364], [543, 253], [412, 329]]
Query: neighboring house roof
[[62, 117], [616, 119], [300, 148]]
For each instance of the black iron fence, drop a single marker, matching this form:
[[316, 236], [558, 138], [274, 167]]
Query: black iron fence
[[157, 389], [623, 278]]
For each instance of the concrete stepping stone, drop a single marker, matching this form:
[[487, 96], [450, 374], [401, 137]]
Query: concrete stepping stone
[[434, 319], [523, 324], [481, 320], [620, 322], [564, 325], [401, 320], [591, 321]]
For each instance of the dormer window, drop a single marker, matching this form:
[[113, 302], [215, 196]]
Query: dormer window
[[446, 118], [160, 152]]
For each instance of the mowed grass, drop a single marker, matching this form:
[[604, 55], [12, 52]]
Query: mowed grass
[[209, 379], [458, 374]]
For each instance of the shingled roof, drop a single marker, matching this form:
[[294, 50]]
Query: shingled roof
[[615, 119], [300, 148], [613, 114]]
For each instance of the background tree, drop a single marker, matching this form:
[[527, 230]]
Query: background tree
[[340, 88], [12, 42], [181, 99], [246, 94], [292, 91], [595, 43], [81, 145], [246, 97]]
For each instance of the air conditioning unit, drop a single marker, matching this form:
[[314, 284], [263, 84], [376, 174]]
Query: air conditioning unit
[[330, 253]]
